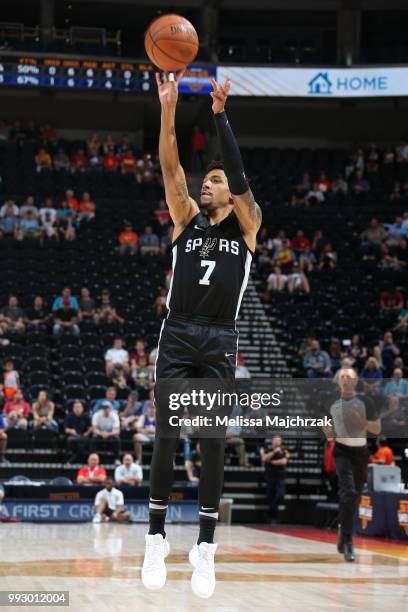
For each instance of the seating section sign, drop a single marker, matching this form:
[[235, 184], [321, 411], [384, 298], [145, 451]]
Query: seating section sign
[[316, 82]]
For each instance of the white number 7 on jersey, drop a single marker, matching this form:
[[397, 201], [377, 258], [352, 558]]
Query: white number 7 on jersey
[[210, 265]]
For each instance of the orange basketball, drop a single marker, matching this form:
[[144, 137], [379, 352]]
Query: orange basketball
[[171, 42]]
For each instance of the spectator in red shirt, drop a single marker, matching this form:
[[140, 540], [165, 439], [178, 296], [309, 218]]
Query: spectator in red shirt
[[110, 161], [79, 161], [300, 243], [392, 301], [139, 353], [93, 473], [198, 145], [128, 162], [128, 240], [86, 208], [17, 411], [323, 184]]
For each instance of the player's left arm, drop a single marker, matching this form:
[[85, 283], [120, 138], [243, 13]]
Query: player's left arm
[[247, 210]]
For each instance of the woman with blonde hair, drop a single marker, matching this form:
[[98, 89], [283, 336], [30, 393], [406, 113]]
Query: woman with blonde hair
[[43, 412]]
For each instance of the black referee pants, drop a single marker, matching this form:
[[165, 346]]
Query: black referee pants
[[351, 467]]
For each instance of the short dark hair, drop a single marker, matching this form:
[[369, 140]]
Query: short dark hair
[[215, 165], [382, 441]]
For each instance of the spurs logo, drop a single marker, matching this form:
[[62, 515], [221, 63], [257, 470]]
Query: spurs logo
[[208, 246]]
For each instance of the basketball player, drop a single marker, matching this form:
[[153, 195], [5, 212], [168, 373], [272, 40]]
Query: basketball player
[[213, 246], [353, 416]]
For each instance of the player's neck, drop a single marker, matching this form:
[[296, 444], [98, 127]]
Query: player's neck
[[218, 214]]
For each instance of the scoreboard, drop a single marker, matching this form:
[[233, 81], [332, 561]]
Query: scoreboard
[[94, 74], [70, 73]]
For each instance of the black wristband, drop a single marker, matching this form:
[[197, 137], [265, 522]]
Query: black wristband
[[230, 155]]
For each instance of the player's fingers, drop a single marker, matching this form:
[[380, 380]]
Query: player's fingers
[[158, 79], [227, 86], [214, 84], [165, 78]]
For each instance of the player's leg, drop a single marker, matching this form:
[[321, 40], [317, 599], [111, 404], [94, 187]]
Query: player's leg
[[219, 349], [174, 362]]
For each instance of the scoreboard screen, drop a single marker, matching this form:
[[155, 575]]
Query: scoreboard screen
[[91, 74], [75, 73]]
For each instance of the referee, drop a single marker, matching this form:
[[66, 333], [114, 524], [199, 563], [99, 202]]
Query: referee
[[352, 416]]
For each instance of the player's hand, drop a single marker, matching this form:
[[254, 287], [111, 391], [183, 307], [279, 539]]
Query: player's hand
[[219, 95], [168, 89]]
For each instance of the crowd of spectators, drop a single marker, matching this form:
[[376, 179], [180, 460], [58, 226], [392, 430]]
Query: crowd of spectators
[[386, 244], [48, 220], [365, 169], [292, 260], [96, 154], [64, 315]]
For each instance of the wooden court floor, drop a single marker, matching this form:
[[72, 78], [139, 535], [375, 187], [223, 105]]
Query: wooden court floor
[[287, 569]]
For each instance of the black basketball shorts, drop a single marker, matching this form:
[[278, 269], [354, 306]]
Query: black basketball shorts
[[188, 352]]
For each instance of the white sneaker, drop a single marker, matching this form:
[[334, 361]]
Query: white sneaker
[[203, 578], [97, 518], [193, 555], [154, 570]]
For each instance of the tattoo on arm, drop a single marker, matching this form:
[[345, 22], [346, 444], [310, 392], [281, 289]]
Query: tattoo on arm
[[254, 209], [182, 192]]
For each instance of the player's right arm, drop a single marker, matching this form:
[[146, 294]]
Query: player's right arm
[[182, 208]]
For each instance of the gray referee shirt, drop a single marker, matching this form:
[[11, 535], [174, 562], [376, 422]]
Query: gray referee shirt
[[346, 430]]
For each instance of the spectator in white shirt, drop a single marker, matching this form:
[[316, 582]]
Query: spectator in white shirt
[[106, 429], [117, 355], [110, 504], [48, 211], [48, 216], [129, 473]]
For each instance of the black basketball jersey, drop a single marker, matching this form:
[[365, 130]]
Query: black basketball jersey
[[211, 265]]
